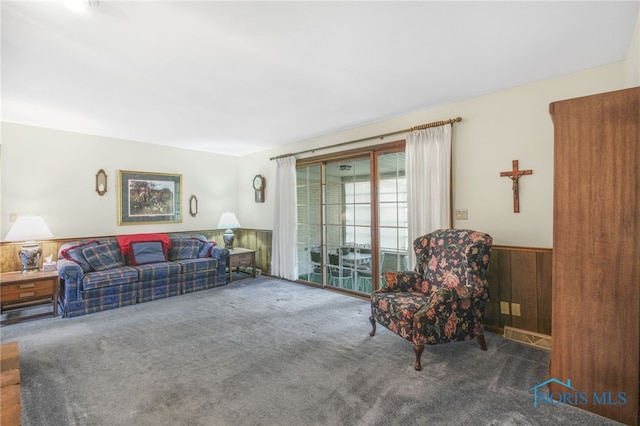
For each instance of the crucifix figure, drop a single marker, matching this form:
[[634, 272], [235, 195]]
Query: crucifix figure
[[514, 175]]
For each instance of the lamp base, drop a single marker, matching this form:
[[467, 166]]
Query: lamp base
[[228, 238], [30, 255]]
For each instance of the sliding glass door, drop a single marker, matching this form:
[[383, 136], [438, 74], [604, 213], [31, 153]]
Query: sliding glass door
[[352, 220], [347, 207]]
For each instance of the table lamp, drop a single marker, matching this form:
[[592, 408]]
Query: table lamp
[[228, 221], [29, 229]]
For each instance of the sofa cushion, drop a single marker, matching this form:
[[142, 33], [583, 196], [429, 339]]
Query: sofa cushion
[[103, 256], [194, 266], [184, 249], [402, 306], [75, 254], [147, 252], [155, 271], [109, 277]]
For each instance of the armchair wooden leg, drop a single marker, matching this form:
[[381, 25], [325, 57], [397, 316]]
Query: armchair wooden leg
[[481, 342], [418, 350], [373, 325]]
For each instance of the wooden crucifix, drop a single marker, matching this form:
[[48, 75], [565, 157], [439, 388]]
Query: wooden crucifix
[[514, 175]]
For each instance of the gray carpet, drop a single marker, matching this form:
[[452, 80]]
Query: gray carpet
[[268, 352]]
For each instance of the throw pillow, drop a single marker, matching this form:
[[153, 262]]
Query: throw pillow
[[103, 256], [206, 249], [75, 254], [147, 252]]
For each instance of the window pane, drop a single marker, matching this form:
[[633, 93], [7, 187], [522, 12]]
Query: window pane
[[362, 236], [402, 189], [301, 177], [362, 191], [389, 214], [334, 214], [389, 239], [394, 261], [333, 236], [362, 215], [303, 213], [303, 234]]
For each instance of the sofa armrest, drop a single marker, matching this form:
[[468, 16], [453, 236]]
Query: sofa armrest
[[401, 281], [220, 253], [69, 270]]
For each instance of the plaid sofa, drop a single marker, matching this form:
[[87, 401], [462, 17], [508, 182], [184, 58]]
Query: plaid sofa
[[104, 273]]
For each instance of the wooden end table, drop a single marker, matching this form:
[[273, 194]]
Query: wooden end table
[[25, 290], [241, 257], [10, 408]]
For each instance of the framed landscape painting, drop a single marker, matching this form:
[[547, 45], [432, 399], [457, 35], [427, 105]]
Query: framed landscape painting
[[149, 198]]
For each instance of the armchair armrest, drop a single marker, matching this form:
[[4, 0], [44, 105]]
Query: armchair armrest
[[69, 270], [438, 321], [445, 296], [401, 281], [451, 314]]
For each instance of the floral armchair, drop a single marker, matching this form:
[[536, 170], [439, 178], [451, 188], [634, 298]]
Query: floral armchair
[[444, 299]]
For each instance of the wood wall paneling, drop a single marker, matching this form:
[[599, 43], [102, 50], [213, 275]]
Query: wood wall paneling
[[544, 291], [522, 276], [492, 311], [503, 284], [10, 258], [524, 291], [259, 240]]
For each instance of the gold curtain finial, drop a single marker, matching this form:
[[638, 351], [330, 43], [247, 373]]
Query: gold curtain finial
[[436, 124]]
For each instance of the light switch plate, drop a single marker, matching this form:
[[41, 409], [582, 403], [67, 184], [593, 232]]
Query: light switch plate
[[504, 308], [462, 214]]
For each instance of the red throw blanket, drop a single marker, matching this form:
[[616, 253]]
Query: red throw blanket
[[125, 241]]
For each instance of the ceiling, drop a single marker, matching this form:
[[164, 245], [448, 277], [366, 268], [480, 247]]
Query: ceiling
[[240, 77]]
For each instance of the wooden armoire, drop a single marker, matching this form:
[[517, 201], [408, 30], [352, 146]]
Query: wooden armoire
[[596, 252]]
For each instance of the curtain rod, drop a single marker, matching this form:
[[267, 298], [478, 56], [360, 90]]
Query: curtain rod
[[420, 127]]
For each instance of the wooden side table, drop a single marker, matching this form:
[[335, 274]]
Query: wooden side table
[[241, 257], [10, 408], [22, 291]]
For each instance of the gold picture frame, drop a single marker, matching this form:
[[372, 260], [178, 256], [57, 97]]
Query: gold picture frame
[[145, 198]]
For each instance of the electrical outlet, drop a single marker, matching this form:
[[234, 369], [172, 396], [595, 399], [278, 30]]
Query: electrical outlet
[[13, 217], [515, 309], [462, 214], [504, 308]]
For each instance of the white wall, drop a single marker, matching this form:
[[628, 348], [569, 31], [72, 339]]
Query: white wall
[[509, 125], [632, 70], [52, 173]]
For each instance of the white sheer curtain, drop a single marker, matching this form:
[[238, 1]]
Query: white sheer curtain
[[284, 262], [428, 174]]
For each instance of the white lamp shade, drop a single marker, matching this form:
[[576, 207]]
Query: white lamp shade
[[29, 228], [228, 220]]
